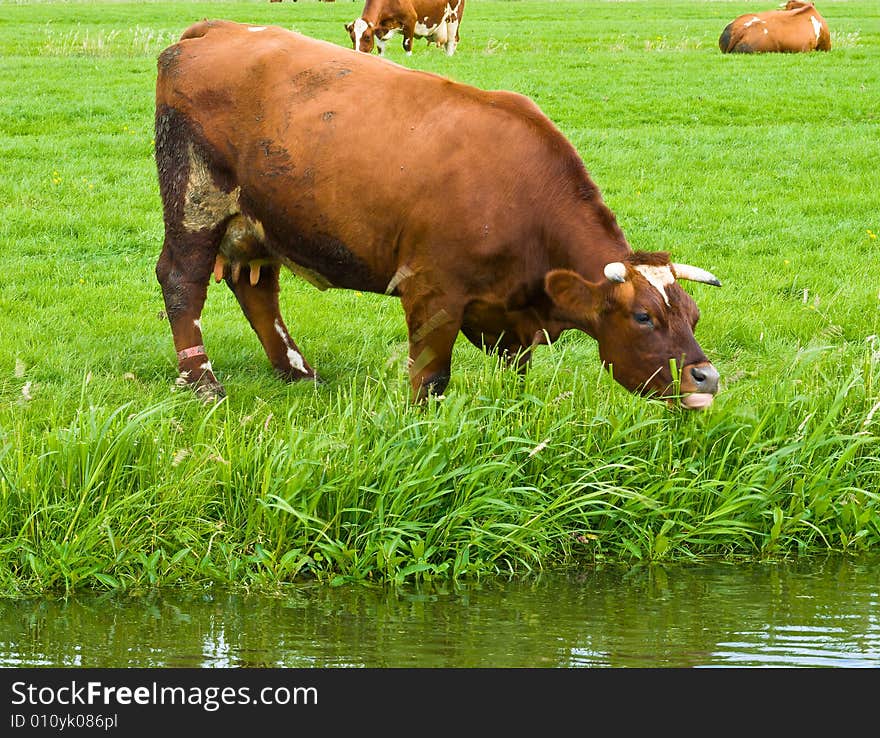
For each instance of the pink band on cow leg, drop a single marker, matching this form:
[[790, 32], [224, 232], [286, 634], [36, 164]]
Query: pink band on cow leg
[[191, 351]]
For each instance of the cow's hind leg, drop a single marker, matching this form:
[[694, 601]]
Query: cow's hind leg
[[183, 271], [196, 209], [257, 293]]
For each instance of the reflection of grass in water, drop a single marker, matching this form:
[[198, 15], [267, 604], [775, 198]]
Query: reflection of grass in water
[[119, 482]]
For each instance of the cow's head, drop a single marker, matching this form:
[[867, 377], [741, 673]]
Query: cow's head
[[644, 322], [361, 33]]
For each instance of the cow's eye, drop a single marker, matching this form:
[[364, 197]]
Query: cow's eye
[[643, 319]]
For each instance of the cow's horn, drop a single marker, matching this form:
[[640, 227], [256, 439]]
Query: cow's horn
[[615, 271], [695, 274]]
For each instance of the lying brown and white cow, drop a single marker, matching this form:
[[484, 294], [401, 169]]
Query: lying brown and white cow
[[796, 27], [438, 21], [264, 139]]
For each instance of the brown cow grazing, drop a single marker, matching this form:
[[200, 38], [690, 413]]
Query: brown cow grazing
[[796, 27], [263, 141], [438, 21]]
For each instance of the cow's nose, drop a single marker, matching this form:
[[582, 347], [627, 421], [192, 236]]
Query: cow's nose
[[705, 378]]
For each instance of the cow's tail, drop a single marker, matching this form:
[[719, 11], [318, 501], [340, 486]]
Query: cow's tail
[[724, 41], [173, 138]]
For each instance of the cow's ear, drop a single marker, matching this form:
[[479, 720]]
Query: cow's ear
[[576, 298], [349, 26]]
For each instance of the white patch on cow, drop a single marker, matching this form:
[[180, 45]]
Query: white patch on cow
[[422, 30], [279, 329], [206, 367], [817, 27], [754, 20], [254, 29], [198, 323], [766, 32], [296, 361], [658, 276], [293, 357]]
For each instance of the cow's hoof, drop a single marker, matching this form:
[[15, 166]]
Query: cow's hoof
[[207, 390], [294, 375], [209, 393]]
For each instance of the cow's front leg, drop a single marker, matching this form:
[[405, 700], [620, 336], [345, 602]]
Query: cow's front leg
[[257, 292], [451, 36], [409, 32], [433, 327], [183, 275]]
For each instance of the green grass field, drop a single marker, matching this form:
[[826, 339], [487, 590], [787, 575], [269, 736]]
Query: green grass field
[[764, 170]]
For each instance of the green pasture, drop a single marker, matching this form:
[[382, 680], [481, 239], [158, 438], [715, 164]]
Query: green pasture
[[764, 170]]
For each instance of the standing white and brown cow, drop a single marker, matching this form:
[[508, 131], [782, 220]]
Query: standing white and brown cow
[[265, 140], [438, 21], [795, 27]]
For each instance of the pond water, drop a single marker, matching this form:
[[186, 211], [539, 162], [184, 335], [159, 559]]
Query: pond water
[[823, 613]]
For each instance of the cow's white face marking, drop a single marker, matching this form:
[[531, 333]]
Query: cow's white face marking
[[817, 27], [754, 20], [254, 29], [658, 276], [360, 25], [293, 357]]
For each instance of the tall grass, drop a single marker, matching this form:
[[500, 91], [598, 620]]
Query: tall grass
[[761, 169]]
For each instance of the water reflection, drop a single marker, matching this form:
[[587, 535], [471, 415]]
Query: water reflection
[[817, 613]]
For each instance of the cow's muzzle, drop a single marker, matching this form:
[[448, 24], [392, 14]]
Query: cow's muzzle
[[699, 385]]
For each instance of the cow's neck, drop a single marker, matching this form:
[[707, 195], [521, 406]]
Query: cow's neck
[[589, 237]]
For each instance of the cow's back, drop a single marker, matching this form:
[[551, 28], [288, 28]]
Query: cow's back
[[302, 126]]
